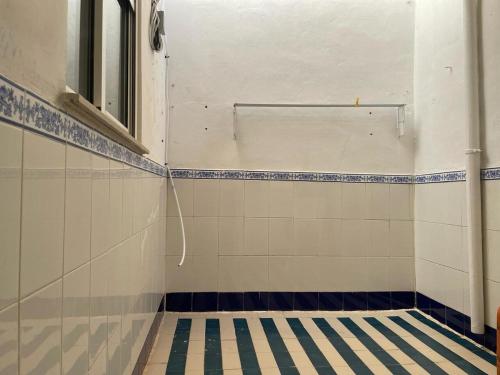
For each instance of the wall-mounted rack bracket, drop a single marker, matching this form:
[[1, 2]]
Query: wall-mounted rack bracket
[[401, 111]]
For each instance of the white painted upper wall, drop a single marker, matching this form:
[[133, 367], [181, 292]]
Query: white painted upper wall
[[490, 32], [439, 85], [296, 51], [33, 54]]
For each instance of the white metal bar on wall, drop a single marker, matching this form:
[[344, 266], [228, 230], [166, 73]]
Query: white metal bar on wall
[[401, 109]]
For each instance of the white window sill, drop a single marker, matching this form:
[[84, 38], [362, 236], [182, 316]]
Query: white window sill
[[91, 116]]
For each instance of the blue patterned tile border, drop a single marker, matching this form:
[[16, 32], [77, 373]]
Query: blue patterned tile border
[[330, 177], [232, 175], [490, 174], [290, 176], [452, 176], [27, 110]]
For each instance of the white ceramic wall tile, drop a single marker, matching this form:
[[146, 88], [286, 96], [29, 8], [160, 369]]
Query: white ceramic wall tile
[[243, 273], [330, 233], [281, 199], [281, 236], [257, 198], [453, 283], [78, 208], [116, 172], [401, 242], [140, 202], [378, 238], [231, 197], [491, 196], [116, 279], [492, 255], [9, 324], [378, 274], [330, 271], [305, 277], [400, 202], [62, 329], [256, 236], [129, 187], [330, 200], [440, 203], [401, 274], [75, 321], [206, 198], [342, 274], [40, 333], [441, 283], [42, 212], [427, 279], [492, 297], [377, 198], [11, 146], [306, 199], [354, 201], [98, 307], [283, 271], [231, 235], [99, 366], [100, 231], [205, 273], [440, 243], [205, 235], [306, 237], [113, 366], [163, 194], [184, 188], [355, 235]]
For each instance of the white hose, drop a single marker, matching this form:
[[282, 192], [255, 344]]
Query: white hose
[[167, 138], [180, 217]]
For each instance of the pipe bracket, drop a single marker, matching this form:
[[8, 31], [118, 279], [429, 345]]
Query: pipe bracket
[[473, 151]]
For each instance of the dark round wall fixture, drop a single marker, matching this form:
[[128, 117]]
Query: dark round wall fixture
[[154, 27]]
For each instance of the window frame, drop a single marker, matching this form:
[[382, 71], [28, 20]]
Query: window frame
[[89, 71], [99, 70]]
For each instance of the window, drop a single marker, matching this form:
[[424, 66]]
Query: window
[[79, 46], [101, 56]]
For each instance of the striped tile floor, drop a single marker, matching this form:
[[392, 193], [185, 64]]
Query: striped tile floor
[[388, 342]]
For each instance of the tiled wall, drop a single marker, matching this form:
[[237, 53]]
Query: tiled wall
[[491, 205], [261, 235], [82, 256], [441, 248]]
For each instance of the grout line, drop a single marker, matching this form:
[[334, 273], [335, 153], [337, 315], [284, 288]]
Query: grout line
[[63, 250], [20, 248]]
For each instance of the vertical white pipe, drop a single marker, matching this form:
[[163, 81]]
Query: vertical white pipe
[[473, 166]]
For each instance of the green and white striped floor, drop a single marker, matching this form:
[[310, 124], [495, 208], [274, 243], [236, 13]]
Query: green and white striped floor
[[388, 342]]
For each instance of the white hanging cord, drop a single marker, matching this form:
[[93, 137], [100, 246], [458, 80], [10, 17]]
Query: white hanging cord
[[154, 27], [169, 173], [180, 216]]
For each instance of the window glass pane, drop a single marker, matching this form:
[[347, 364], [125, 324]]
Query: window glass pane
[[116, 58], [78, 47]]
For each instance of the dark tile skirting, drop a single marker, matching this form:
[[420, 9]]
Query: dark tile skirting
[[142, 360], [287, 301], [456, 320]]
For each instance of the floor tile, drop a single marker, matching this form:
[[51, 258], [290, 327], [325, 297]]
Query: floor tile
[[348, 342]]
